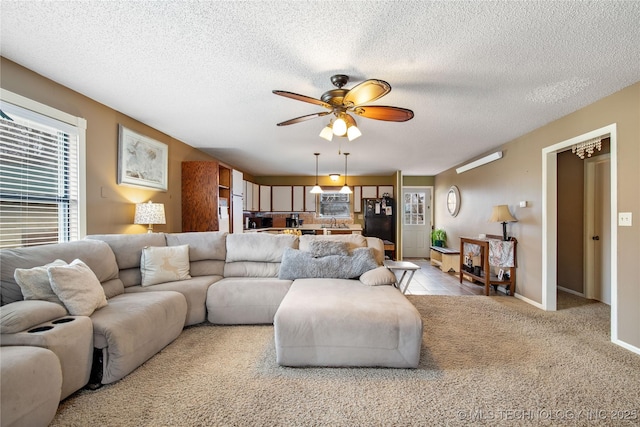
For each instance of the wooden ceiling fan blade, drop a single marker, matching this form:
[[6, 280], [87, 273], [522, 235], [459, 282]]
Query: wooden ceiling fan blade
[[304, 118], [302, 98], [381, 112], [367, 91]]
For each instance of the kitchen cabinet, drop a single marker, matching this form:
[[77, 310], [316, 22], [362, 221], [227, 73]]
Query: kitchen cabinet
[[248, 196], [298, 198], [237, 201], [200, 192], [282, 198], [382, 189], [369, 191], [309, 200], [255, 197], [265, 198], [357, 199]]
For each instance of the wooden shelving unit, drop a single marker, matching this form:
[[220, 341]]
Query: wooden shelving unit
[[486, 277], [200, 193]]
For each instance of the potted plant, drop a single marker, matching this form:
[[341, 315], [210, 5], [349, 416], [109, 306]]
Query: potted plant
[[438, 237]]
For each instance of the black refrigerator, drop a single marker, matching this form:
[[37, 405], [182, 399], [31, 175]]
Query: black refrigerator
[[379, 218]]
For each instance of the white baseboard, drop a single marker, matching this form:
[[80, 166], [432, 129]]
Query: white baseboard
[[529, 301], [627, 346], [571, 291]]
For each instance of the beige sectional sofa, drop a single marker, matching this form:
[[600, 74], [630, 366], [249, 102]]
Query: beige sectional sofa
[[216, 277]]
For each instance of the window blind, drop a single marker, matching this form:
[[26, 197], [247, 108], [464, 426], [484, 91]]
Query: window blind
[[38, 179]]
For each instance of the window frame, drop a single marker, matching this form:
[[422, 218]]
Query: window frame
[[331, 191], [80, 125]]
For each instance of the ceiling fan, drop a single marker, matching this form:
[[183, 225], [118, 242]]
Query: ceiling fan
[[340, 102]]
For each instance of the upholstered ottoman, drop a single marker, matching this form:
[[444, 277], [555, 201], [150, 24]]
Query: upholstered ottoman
[[70, 338], [340, 322], [30, 385]]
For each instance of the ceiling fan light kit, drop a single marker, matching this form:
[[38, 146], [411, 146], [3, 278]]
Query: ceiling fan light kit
[[339, 127], [327, 132], [340, 101]]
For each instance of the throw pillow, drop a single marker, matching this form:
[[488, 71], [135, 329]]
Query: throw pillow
[[160, 264], [378, 276], [77, 287], [320, 248], [298, 264], [34, 282]]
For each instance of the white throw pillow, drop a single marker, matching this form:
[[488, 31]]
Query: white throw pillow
[[160, 264], [77, 287], [34, 282], [378, 276]]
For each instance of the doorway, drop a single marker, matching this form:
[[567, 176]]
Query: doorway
[[416, 221], [549, 220], [597, 239]]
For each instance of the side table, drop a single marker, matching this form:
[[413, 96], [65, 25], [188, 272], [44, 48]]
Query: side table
[[404, 266]]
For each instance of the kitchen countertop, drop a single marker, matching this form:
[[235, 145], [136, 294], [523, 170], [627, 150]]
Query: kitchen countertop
[[352, 227]]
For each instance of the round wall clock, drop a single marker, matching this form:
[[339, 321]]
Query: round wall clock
[[453, 200]]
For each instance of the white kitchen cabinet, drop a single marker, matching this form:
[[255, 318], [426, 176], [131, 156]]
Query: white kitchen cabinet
[[237, 183], [255, 197], [298, 198], [282, 198], [248, 196], [385, 189], [357, 199], [369, 191], [265, 198], [309, 200], [237, 201]]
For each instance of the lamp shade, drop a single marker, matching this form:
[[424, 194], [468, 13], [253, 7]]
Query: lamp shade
[[327, 133], [149, 213], [316, 188], [345, 188], [352, 130], [501, 213], [339, 127]]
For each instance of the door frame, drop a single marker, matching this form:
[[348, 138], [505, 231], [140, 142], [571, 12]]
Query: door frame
[[550, 220], [400, 208]]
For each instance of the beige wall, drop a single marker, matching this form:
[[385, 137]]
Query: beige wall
[[110, 207], [325, 180], [518, 177]]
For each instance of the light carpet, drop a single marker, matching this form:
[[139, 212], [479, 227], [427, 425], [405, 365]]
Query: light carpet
[[485, 361]]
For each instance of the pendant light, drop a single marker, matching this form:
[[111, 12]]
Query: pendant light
[[345, 188], [316, 188]]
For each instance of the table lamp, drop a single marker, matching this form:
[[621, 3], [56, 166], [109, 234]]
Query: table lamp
[[149, 213], [501, 214]]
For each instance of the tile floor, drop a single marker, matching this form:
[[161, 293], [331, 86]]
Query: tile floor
[[430, 280]]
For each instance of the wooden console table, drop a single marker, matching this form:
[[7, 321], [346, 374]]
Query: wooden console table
[[486, 276]]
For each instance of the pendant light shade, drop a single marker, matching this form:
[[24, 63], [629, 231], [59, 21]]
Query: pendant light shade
[[316, 188], [345, 188]]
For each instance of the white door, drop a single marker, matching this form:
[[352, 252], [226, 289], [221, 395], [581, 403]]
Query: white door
[[598, 229], [416, 222]]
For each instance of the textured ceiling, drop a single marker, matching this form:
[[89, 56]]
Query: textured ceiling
[[476, 74]]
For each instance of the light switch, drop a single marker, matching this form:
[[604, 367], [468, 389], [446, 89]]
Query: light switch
[[523, 204], [624, 219]]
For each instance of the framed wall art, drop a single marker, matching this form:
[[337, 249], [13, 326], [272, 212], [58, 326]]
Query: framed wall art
[[142, 161]]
